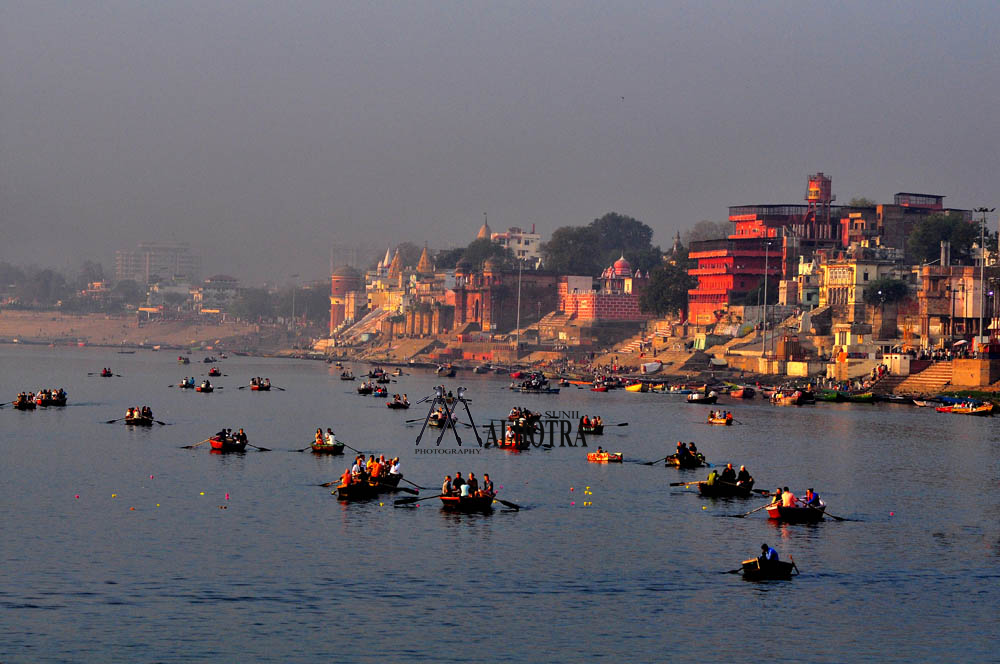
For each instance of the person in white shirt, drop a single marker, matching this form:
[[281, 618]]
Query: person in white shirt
[[330, 437], [394, 468]]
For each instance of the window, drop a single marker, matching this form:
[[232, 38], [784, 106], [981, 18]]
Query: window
[[866, 276]]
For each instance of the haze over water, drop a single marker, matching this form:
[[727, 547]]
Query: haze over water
[[287, 573]]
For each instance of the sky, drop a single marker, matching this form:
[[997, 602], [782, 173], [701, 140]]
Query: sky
[[269, 133]]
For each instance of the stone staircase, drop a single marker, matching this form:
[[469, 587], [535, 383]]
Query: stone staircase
[[931, 380]]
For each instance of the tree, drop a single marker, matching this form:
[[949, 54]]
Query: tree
[[447, 259], [254, 304], [587, 250], [481, 250], [571, 250], [707, 230], [861, 201], [129, 291], [924, 243], [90, 272], [667, 291], [886, 291]]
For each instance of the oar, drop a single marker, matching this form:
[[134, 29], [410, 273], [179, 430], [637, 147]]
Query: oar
[[740, 516], [413, 483], [507, 503], [159, 422], [349, 447], [832, 516], [242, 387], [686, 483], [400, 488], [651, 463], [410, 501], [416, 420], [191, 447], [114, 420], [620, 424], [308, 447], [262, 449]]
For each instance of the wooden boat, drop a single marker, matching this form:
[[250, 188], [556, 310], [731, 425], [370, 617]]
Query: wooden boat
[[210, 360], [832, 396], [606, 457], [365, 389], [139, 421], [944, 409], [380, 392], [184, 385], [982, 410], [637, 387], [593, 430], [23, 404], [346, 376], [779, 570], [795, 514], [894, 398], [921, 403], [367, 489], [106, 374], [695, 397], [599, 388], [324, 448], [467, 504], [743, 393], [725, 490], [650, 367], [539, 390], [528, 416], [214, 371], [516, 374], [204, 388], [50, 401], [439, 422], [183, 360], [397, 405], [265, 387], [445, 371], [383, 379], [861, 397], [226, 444], [482, 368], [687, 461], [782, 398], [728, 421]]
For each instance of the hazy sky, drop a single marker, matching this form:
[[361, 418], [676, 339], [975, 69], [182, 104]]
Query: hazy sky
[[265, 132]]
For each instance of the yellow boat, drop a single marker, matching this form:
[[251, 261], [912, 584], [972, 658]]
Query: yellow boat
[[605, 457], [728, 421], [636, 387]]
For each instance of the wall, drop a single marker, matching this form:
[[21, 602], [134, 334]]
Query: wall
[[974, 373]]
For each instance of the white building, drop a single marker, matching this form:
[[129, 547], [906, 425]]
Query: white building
[[525, 246]]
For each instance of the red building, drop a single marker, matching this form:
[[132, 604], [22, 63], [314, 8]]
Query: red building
[[616, 299], [766, 239], [343, 281]]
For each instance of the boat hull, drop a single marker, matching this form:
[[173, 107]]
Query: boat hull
[[725, 490], [139, 421], [686, 461], [754, 571], [467, 504], [795, 514], [226, 444], [593, 431], [397, 405], [606, 457], [260, 388], [336, 449]]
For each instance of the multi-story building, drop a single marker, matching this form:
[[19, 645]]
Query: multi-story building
[[525, 246], [159, 261]]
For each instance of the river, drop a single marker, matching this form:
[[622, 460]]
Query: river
[[243, 557]]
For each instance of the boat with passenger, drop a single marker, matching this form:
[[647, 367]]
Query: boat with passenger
[[600, 456], [467, 503]]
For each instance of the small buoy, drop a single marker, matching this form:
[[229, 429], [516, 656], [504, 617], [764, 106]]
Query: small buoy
[[77, 495], [588, 488], [704, 507], [114, 495], [150, 477], [157, 504], [381, 504], [573, 502], [890, 513], [131, 509], [202, 493], [227, 496], [571, 488]]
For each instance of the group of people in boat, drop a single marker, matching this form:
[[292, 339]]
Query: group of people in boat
[[730, 476], [137, 413], [687, 454], [42, 396], [785, 498], [227, 434], [535, 381], [106, 371], [402, 400], [591, 422], [439, 415], [467, 487], [372, 470], [328, 438], [186, 382], [262, 382], [720, 415]]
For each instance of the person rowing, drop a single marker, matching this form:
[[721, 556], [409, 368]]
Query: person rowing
[[728, 474], [330, 438], [743, 478], [768, 556], [812, 499]]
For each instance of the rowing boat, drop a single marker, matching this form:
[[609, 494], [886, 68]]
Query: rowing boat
[[795, 514], [227, 444], [593, 430], [328, 448], [397, 404], [467, 503], [777, 570], [728, 421], [720, 489], [982, 410], [139, 421], [266, 387], [367, 489], [695, 397], [606, 457], [687, 461]]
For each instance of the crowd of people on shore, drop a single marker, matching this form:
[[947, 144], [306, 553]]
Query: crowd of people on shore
[[467, 487]]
